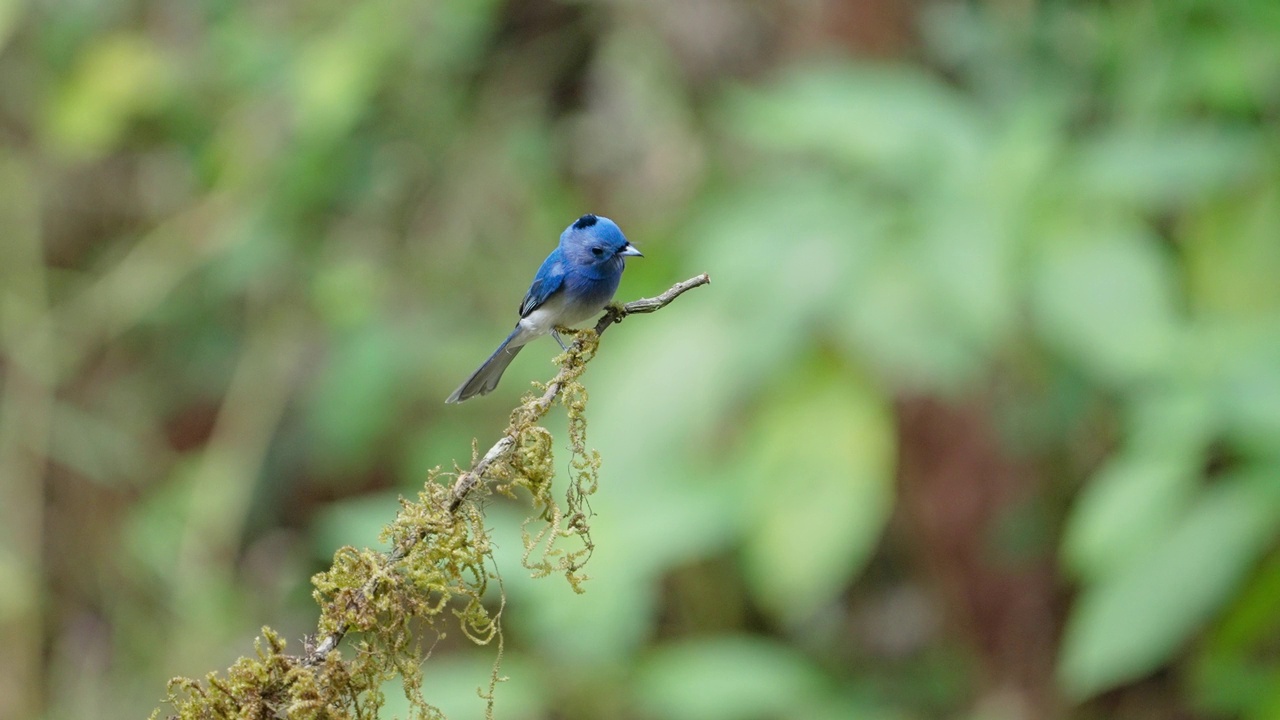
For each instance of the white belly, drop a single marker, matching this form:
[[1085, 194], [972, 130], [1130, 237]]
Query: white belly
[[550, 314]]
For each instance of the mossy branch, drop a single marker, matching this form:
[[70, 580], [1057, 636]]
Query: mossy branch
[[378, 594], [528, 414]]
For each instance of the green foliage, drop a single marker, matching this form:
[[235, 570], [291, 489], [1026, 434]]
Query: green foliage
[[1122, 628], [1019, 199], [995, 334], [846, 464], [728, 678]]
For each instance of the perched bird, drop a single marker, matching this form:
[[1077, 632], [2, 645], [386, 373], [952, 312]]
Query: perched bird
[[576, 281]]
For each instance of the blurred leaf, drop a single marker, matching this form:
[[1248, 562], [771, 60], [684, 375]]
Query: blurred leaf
[[336, 74], [1106, 298], [1231, 687], [900, 122], [1235, 673], [1235, 362], [1249, 386], [1131, 502], [1127, 507], [813, 236], [966, 257], [117, 77], [1232, 257], [729, 678], [1167, 167], [1134, 619], [1176, 420], [897, 320], [820, 463], [970, 235]]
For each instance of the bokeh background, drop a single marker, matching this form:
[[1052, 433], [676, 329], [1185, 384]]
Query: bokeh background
[[980, 417]]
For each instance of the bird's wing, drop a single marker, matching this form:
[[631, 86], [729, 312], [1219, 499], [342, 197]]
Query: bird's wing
[[548, 280]]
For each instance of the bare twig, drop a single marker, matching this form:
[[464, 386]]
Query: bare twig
[[469, 479], [648, 305]]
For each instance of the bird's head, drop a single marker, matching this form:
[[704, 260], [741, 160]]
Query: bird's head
[[596, 242]]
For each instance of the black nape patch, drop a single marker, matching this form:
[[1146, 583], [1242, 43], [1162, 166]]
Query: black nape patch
[[585, 221]]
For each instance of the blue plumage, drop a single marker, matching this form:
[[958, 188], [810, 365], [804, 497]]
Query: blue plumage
[[576, 281]]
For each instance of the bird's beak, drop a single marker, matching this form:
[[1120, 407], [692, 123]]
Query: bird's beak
[[630, 250]]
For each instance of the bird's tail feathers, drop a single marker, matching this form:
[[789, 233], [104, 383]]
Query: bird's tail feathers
[[486, 377]]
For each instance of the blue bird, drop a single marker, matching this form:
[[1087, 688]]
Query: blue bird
[[576, 281]]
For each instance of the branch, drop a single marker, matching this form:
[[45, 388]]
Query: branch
[[578, 354], [648, 305]]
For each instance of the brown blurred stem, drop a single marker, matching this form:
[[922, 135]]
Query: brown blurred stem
[[467, 481]]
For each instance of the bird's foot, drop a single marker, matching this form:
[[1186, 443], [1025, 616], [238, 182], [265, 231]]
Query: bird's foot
[[555, 333]]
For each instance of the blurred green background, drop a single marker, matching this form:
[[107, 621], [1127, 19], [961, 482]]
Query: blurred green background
[[980, 417]]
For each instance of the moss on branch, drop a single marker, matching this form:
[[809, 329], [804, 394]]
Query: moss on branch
[[437, 572]]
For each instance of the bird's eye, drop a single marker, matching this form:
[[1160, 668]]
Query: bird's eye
[[597, 251]]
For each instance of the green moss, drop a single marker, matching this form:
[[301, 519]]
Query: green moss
[[272, 684], [436, 574]]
